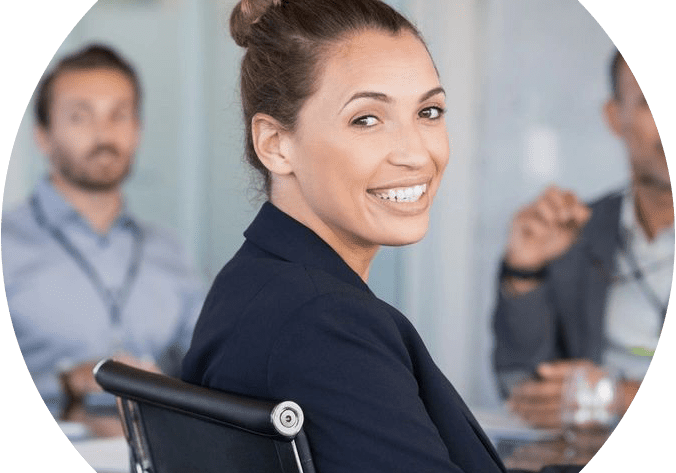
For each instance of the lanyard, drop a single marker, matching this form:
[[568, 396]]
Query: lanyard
[[113, 299], [639, 276]]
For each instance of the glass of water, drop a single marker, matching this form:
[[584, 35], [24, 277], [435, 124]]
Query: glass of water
[[590, 408]]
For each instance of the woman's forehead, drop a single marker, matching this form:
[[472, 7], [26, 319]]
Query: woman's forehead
[[380, 61]]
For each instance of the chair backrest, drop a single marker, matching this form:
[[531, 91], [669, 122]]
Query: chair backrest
[[176, 427]]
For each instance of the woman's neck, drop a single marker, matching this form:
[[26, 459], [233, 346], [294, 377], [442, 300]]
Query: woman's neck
[[356, 254]]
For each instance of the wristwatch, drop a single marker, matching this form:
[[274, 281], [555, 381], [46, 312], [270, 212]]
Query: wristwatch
[[507, 271]]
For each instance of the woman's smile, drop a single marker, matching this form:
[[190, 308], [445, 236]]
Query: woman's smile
[[411, 200], [400, 195]]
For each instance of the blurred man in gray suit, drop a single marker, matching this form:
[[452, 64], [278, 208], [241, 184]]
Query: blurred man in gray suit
[[588, 285]]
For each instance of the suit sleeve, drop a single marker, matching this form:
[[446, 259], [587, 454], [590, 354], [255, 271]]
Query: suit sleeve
[[525, 334], [351, 374]]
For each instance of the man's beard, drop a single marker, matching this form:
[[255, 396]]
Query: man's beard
[[650, 169], [81, 177], [656, 183]]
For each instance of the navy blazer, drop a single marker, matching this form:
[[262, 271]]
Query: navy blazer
[[286, 318]]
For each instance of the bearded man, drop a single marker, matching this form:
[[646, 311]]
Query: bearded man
[[587, 286], [84, 278]]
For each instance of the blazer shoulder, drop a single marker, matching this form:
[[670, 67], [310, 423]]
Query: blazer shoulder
[[601, 231], [608, 202]]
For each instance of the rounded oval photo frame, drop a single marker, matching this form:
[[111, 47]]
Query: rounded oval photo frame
[[145, 29]]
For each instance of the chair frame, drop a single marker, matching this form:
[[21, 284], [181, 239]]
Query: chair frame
[[280, 422]]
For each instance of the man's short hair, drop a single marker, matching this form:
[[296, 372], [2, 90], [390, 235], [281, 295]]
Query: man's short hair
[[615, 66], [94, 56]]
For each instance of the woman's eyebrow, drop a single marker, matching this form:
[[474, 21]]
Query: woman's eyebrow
[[369, 95], [432, 93], [387, 99]]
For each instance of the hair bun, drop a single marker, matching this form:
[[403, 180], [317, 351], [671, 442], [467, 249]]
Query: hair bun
[[245, 14]]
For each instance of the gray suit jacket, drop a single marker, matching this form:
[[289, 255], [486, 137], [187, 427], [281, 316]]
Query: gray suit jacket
[[563, 317]]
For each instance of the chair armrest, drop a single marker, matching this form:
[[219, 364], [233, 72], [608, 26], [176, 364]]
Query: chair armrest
[[282, 420]]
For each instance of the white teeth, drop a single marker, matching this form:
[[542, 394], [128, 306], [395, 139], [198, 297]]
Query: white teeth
[[406, 194]]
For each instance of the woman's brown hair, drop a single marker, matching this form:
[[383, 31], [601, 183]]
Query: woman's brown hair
[[285, 41]]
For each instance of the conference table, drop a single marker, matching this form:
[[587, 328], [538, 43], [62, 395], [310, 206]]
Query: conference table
[[524, 448], [98, 437], [566, 449]]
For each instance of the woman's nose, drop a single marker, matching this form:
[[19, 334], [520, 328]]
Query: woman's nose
[[409, 147]]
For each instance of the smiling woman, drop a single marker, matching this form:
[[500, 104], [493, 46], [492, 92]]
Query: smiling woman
[[344, 116]]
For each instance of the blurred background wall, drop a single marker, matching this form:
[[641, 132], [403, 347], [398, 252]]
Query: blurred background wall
[[526, 80]]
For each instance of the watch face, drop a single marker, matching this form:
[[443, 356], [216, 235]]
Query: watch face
[[509, 272]]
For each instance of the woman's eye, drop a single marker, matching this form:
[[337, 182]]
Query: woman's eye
[[365, 121], [432, 113]]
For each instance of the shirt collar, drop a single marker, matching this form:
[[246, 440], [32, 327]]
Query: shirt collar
[[279, 234], [628, 219], [58, 211], [631, 227]]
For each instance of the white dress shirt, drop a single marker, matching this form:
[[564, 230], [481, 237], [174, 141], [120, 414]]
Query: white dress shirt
[[638, 294]]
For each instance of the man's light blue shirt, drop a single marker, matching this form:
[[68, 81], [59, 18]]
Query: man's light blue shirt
[[59, 316]]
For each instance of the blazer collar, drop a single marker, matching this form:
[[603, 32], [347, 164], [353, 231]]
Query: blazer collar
[[279, 234]]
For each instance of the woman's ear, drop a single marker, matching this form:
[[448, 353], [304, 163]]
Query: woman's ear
[[269, 142]]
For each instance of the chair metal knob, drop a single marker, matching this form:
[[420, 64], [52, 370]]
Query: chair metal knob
[[287, 418]]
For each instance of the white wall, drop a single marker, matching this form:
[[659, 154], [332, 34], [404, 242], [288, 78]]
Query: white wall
[[525, 82]]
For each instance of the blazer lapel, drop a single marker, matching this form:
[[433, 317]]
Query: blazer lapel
[[600, 242]]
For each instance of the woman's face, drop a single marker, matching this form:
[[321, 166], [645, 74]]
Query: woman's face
[[371, 144]]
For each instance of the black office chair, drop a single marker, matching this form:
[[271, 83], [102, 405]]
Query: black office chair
[[176, 427]]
